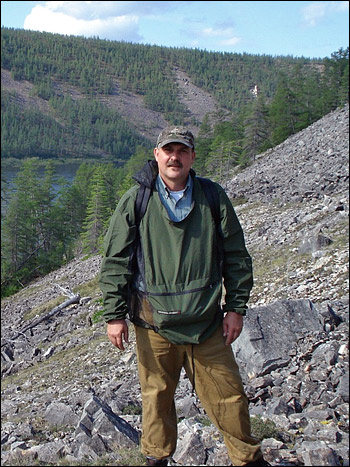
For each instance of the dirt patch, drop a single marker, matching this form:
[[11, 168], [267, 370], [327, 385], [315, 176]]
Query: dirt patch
[[23, 91]]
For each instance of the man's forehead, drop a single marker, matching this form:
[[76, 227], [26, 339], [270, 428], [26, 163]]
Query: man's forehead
[[172, 145]]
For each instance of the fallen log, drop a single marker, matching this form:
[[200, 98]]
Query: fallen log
[[73, 298]]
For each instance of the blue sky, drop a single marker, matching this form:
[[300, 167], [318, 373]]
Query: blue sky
[[311, 29]]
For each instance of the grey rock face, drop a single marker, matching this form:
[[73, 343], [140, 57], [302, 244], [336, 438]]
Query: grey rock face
[[270, 332]]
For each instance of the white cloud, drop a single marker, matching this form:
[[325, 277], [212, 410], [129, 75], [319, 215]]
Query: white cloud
[[230, 42], [218, 32], [316, 11], [107, 19], [313, 13], [223, 36], [102, 9], [82, 20], [119, 20]]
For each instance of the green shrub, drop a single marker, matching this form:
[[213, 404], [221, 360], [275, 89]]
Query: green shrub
[[132, 410], [263, 429]]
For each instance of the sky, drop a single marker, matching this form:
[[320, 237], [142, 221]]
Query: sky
[[313, 29]]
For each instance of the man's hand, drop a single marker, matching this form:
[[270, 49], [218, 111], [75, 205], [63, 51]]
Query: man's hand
[[117, 331], [232, 326]]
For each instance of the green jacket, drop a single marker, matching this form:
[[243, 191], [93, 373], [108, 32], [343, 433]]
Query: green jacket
[[177, 290]]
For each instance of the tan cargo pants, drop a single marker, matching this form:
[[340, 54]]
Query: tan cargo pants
[[218, 385]]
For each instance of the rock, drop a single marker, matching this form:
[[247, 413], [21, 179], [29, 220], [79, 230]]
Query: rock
[[269, 334], [100, 430], [49, 453], [59, 414], [310, 245], [190, 449], [315, 454], [343, 387]]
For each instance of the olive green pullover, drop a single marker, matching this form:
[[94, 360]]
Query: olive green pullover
[[177, 290]]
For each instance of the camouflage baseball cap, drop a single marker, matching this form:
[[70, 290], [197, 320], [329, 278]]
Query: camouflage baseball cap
[[175, 134]]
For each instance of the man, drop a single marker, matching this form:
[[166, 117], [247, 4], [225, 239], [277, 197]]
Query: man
[[173, 296]]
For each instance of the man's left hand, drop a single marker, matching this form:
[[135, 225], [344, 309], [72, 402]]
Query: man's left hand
[[232, 326]]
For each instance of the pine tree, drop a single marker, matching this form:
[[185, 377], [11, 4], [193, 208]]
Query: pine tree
[[256, 129], [20, 227], [335, 82], [97, 213], [133, 165], [283, 114], [34, 239], [222, 158]]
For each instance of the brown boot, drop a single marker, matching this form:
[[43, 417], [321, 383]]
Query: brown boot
[[153, 461]]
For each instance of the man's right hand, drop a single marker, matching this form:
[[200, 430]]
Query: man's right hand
[[117, 331]]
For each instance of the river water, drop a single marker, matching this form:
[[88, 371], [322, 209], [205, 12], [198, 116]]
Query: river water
[[66, 171], [9, 173]]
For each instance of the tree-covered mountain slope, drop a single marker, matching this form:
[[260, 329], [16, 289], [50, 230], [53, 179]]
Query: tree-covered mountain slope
[[71, 97]]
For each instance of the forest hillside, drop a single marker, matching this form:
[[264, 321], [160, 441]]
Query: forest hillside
[[72, 97]]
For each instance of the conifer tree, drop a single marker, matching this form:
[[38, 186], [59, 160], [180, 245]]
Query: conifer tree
[[283, 115], [19, 228], [222, 158], [335, 79], [133, 165], [97, 213], [73, 200], [27, 227], [256, 129]]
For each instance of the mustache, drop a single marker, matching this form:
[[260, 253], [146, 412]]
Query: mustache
[[174, 164]]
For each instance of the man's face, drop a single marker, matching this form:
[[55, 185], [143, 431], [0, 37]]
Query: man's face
[[174, 163]]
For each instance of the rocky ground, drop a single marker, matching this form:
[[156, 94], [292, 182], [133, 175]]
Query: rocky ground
[[70, 398]]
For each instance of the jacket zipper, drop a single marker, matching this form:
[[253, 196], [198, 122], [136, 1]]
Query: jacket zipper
[[198, 289]]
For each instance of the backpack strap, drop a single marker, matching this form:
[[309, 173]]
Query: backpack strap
[[141, 202], [143, 196], [212, 196]]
